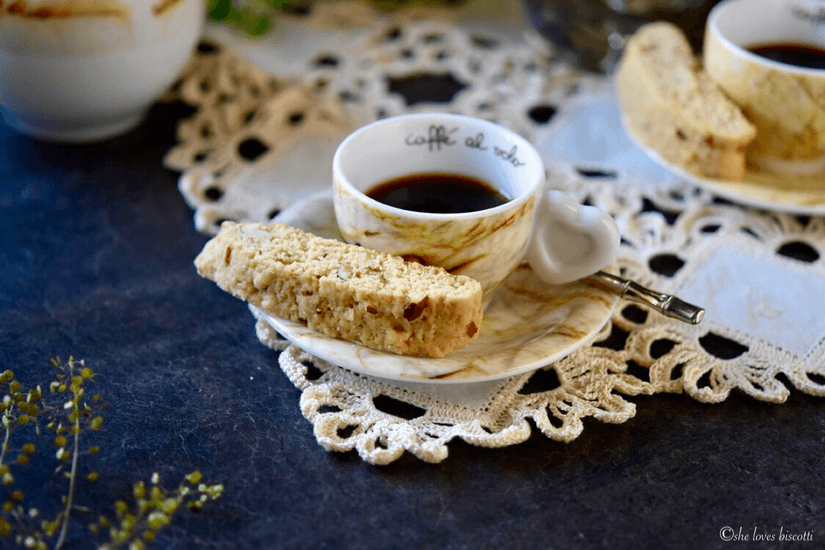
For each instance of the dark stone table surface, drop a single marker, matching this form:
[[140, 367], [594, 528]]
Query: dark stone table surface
[[96, 250]]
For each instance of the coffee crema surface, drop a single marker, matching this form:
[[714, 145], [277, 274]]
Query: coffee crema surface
[[437, 193]]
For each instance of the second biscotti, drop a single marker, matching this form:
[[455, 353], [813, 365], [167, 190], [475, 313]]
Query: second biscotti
[[344, 291], [674, 108]]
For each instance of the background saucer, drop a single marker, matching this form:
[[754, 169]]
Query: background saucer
[[591, 130]]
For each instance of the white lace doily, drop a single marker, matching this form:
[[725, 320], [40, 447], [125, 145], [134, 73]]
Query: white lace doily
[[260, 141], [759, 274]]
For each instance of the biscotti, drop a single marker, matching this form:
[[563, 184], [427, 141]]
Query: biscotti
[[670, 104], [344, 291]]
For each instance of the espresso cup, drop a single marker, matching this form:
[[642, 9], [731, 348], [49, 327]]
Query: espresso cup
[[467, 195], [785, 101]]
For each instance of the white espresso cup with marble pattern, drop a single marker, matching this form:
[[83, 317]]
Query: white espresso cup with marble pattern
[[767, 56], [408, 186]]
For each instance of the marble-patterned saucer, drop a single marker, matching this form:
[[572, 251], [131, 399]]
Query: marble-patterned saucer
[[591, 131], [528, 325], [795, 194]]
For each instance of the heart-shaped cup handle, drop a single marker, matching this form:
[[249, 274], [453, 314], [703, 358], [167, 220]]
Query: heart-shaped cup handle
[[570, 240]]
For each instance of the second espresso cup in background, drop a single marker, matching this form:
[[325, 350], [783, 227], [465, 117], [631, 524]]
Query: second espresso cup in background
[[467, 195], [784, 99]]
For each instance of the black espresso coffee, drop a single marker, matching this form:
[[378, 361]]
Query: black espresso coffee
[[437, 193], [801, 55]]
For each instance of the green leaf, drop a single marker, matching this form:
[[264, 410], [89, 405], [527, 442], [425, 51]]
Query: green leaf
[[219, 10]]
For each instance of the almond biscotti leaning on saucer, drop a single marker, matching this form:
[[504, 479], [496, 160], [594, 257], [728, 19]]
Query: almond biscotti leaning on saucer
[[343, 290], [670, 104]]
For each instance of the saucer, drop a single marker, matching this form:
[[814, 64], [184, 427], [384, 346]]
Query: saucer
[[591, 130], [528, 325], [796, 194]]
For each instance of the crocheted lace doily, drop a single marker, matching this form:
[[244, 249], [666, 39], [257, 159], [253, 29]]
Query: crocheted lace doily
[[242, 153], [260, 141]]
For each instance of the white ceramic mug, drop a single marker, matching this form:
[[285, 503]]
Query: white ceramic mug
[[79, 72], [785, 102], [562, 240]]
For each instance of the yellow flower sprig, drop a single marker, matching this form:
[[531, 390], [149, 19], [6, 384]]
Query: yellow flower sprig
[[63, 414], [152, 510]]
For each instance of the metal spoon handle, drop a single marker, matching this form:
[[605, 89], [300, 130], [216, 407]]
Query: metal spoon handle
[[666, 304]]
